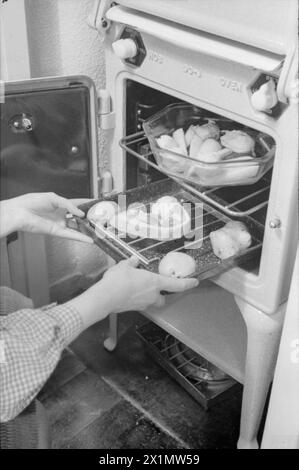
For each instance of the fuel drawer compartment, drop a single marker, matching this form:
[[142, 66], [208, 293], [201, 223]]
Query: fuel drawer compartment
[[205, 382]]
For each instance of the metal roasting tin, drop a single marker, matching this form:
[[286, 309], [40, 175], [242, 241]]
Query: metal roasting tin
[[150, 251]]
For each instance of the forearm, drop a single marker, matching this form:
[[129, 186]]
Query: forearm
[[34, 339], [94, 304], [32, 342]]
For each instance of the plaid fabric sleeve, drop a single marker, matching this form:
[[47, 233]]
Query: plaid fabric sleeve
[[31, 342]]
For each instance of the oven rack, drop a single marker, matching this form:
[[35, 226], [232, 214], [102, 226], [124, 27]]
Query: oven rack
[[241, 202], [151, 251]]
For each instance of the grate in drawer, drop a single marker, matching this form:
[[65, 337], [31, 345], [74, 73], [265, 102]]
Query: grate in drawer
[[205, 382]]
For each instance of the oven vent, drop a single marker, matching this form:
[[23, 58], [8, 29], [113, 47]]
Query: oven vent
[[206, 383]]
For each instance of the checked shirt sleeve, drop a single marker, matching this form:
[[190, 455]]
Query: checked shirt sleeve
[[31, 342]]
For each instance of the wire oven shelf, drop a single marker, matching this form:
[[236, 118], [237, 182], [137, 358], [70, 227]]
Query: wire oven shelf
[[234, 201], [204, 219], [204, 382]]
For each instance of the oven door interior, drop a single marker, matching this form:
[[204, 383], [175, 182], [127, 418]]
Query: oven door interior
[[49, 137]]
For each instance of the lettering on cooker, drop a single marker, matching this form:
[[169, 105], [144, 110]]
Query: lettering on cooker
[[155, 57], [190, 70], [232, 85]]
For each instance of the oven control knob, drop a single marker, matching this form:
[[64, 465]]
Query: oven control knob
[[125, 48], [265, 98]]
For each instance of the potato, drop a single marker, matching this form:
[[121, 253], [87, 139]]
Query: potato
[[210, 130], [208, 151], [238, 230], [179, 138], [224, 246], [137, 210], [238, 141], [167, 142], [195, 146], [102, 212], [168, 160], [165, 207], [167, 200], [176, 264], [170, 214], [230, 240], [189, 134]]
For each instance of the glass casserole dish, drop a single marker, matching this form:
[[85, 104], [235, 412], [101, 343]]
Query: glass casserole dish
[[204, 149]]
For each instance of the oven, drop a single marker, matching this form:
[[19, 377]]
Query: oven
[[215, 56], [170, 73]]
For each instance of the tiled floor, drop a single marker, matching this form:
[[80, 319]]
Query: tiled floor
[[123, 400]]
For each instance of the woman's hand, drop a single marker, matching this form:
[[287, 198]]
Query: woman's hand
[[42, 213], [137, 289], [124, 288]]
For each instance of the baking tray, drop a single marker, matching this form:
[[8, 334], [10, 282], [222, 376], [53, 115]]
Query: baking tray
[[152, 251]]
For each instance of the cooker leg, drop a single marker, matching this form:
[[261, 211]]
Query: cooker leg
[[263, 336], [111, 342]]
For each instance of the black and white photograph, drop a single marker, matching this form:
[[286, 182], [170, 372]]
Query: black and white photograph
[[149, 299]]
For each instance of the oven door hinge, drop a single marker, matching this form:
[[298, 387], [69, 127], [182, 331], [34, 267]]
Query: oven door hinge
[[106, 117], [106, 121], [97, 17]]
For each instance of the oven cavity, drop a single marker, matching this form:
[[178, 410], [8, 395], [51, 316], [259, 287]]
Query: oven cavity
[[249, 201]]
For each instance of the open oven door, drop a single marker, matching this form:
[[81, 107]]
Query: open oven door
[[49, 137], [49, 142]]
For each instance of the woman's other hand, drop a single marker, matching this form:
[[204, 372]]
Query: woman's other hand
[[42, 213]]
